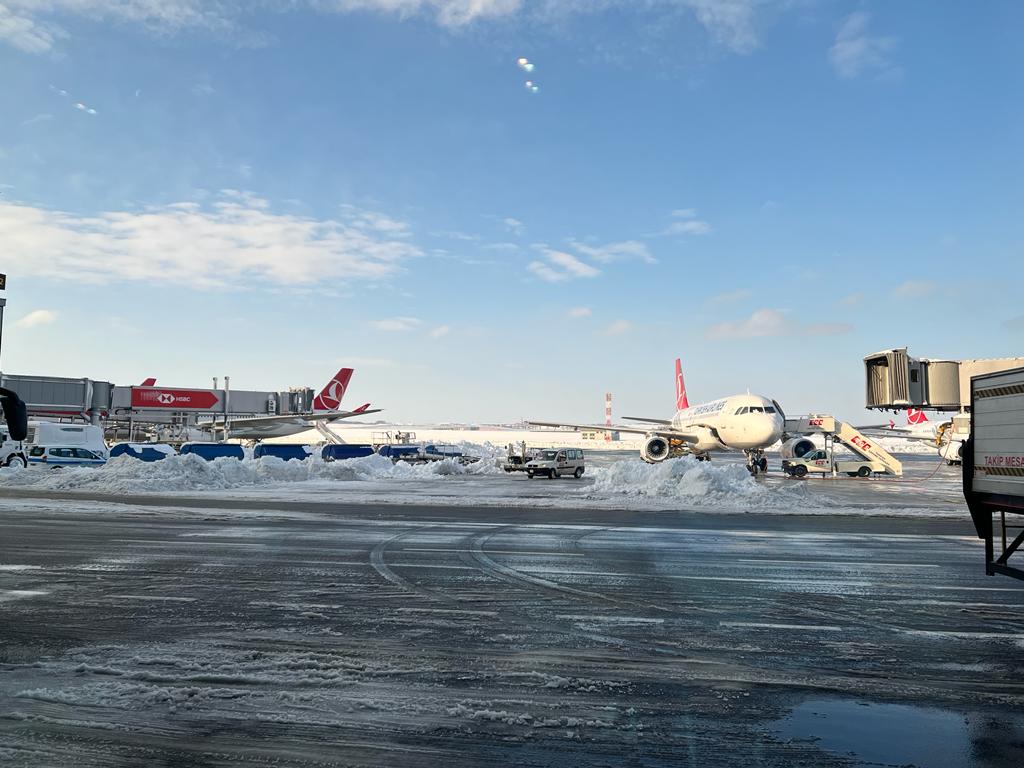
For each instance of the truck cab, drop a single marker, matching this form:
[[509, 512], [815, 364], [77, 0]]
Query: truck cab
[[818, 461], [556, 462]]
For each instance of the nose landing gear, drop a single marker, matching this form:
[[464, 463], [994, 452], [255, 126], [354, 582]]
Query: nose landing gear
[[756, 462]]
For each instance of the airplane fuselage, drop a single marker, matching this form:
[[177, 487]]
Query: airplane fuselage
[[739, 422]]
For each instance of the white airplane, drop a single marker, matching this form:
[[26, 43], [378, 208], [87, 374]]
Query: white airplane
[[325, 408], [749, 423]]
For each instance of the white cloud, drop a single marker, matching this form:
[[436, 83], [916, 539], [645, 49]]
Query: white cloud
[[619, 327], [730, 297], [853, 300], [441, 330], [30, 25], [914, 289], [687, 224], [561, 266], [236, 241], [580, 312], [773, 322], [36, 317], [515, 226], [627, 249], [855, 51], [397, 324]]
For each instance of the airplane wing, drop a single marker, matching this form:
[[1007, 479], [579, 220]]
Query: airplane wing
[[662, 422], [672, 434], [288, 418]]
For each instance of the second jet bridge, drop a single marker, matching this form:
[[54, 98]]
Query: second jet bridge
[[848, 435]]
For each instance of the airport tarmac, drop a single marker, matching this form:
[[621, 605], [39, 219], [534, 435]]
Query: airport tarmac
[[204, 632]]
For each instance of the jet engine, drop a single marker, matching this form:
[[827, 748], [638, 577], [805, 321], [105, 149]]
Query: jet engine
[[655, 449], [796, 447]]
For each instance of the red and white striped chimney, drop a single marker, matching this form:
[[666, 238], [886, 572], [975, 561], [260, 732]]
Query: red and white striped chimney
[[608, 415]]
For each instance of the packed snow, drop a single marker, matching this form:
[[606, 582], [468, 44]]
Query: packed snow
[[612, 480]]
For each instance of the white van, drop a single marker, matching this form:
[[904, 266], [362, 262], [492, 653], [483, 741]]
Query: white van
[[556, 462], [46, 434], [12, 452]]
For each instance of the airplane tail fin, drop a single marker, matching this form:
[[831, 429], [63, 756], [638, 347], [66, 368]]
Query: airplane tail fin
[[150, 382], [681, 401], [916, 417], [361, 408], [330, 396]]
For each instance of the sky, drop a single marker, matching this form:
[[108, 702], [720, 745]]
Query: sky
[[770, 190]]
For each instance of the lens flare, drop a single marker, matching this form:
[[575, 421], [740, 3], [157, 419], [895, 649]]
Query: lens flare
[[531, 86], [524, 64]]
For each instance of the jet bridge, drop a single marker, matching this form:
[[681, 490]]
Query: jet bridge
[[847, 435]]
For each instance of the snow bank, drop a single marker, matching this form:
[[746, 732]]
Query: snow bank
[[700, 483], [124, 474]]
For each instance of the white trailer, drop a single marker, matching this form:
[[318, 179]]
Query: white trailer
[[993, 464]]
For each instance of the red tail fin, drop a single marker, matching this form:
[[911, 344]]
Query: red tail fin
[[915, 417], [149, 383], [361, 408], [681, 401], [330, 396]]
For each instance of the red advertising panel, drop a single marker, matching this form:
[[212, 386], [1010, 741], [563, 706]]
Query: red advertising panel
[[174, 399]]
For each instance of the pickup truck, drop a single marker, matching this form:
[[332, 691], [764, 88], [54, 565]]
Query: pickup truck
[[818, 461]]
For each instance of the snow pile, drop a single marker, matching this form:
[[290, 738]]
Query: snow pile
[[124, 474], [702, 483]]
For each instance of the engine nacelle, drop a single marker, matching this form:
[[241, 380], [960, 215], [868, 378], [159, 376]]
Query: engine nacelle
[[796, 447], [655, 449]]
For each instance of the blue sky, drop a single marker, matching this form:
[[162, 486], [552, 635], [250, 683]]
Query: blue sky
[[770, 190]]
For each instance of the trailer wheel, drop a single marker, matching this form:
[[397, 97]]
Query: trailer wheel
[[863, 471], [578, 473], [13, 460], [800, 470]]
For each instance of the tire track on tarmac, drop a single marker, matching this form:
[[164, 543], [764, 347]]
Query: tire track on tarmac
[[381, 567]]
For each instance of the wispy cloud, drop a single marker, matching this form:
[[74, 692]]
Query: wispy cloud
[[685, 222], [33, 25], [577, 312], [515, 226], [627, 249], [619, 327], [560, 267], [441, 330], [773, 322], [856, 51], [397, 324], [36, 317], [914, 289], [731, 297], [235, 241]]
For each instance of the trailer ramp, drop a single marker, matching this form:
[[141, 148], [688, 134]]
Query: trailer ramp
[[849, 436]]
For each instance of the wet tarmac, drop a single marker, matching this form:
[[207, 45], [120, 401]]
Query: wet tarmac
[[173, 632]]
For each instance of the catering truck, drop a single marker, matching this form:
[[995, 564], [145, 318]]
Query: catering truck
[[993, 466]]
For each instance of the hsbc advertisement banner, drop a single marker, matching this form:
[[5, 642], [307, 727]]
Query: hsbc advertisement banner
[[175, 399]]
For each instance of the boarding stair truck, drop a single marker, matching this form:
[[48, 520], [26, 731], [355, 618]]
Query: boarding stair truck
[[993, 466], [870, 453]]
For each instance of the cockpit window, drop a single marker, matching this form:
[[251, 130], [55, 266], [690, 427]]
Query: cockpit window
[[769, 409], [740, 411], [756, 409]]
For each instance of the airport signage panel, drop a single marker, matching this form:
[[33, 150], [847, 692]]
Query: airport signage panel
[[174, 399]]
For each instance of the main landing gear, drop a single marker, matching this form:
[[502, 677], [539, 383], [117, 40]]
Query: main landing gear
[[757, 464]]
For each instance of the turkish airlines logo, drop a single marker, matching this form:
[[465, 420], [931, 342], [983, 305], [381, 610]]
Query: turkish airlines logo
[[915, 416], [331, 397]]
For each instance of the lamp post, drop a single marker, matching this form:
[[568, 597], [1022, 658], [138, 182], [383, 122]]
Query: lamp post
[[3, 303]]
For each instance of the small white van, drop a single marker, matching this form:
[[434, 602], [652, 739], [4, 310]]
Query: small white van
[[12, 452], [49, 433], [552, 463]]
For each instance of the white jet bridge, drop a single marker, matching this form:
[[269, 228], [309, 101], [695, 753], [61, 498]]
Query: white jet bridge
[[836, 431]]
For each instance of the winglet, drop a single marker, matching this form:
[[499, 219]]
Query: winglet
[[330, 396], [681, 401]]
